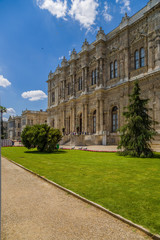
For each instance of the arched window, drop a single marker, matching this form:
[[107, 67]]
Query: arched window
[[111, 70], [114, 119], [142, 57], [115, 69], [136, 59], [94, 121]]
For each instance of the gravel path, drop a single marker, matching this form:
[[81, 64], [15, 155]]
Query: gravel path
[[33, 209]]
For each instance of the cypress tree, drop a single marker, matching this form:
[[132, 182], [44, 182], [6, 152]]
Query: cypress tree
[[137, 133]]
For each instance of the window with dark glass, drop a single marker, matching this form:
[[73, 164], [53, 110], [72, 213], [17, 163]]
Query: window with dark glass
[[94, 121], [114, 119], [115, 69], [111, 70], [53, 97], [136, 59], [95, 76], [142, 57], [80, 123], [92, 77], [80, 83]]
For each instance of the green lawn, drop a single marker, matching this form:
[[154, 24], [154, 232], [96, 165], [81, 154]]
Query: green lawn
[[127, 186]]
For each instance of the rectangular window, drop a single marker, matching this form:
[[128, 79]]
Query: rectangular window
[[53, 97], [111, 70], [80, 84], [95, 76], [115, 69]]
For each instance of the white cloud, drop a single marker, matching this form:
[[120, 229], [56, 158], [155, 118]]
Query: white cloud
[[60, 58], [125, 5], [10, 111], [69, 53], [57, 8], [84, 11], [5, 119], [4, 82], [106, 15], [34, 95]]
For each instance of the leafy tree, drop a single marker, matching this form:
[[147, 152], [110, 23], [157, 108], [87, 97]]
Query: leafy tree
[[27, 137], [138, 132], [2, 110], [42, 136]]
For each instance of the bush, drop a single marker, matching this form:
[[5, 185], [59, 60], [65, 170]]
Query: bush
[[42, 136]]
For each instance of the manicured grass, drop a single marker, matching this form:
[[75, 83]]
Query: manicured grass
[[127, 186]]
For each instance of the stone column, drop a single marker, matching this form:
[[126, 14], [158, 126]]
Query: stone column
[[97, 66], [83, 79], [150, 55], [101, 72], [73, 119], [101, 116], [63, 89], [73, 85], [85, 82], [97, 117], [86, 118], [157, 52], [83, 118], [49, 98]]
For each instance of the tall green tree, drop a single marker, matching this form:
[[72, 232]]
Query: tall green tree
[[2, 110], [137, 133]]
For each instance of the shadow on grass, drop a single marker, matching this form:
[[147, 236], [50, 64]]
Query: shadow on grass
[[55, 152]]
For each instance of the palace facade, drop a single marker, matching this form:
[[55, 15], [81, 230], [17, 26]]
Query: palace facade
[[87, 94]]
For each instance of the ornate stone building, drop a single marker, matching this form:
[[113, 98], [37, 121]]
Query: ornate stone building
[[87, 94], [30, 118], [18, 123], [14, 128]]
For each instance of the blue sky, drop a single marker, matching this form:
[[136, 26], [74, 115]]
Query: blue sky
[[35, 34]]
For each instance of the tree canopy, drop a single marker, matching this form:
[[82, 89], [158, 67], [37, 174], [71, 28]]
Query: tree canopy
[[43, 137]]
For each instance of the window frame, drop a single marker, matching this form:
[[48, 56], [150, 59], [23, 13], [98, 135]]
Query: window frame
[[136, 60], [142, 57], [111, 70], [114, 119], [115, 69]]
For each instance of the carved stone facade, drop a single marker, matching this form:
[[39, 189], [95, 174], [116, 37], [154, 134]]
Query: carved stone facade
[[18, 123], [31, 118], [88, 93]]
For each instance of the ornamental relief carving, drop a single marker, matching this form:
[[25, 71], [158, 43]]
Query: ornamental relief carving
[[138, 33]]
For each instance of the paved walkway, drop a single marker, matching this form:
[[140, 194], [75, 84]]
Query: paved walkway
[[33, 209], [110, 148], [93, 148]]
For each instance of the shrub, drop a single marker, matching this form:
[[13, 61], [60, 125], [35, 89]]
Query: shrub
[[42, 136]]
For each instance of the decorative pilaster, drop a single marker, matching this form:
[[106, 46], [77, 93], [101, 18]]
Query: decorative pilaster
[[157, 52], [97, 117], [86, 118], [101, 116]]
